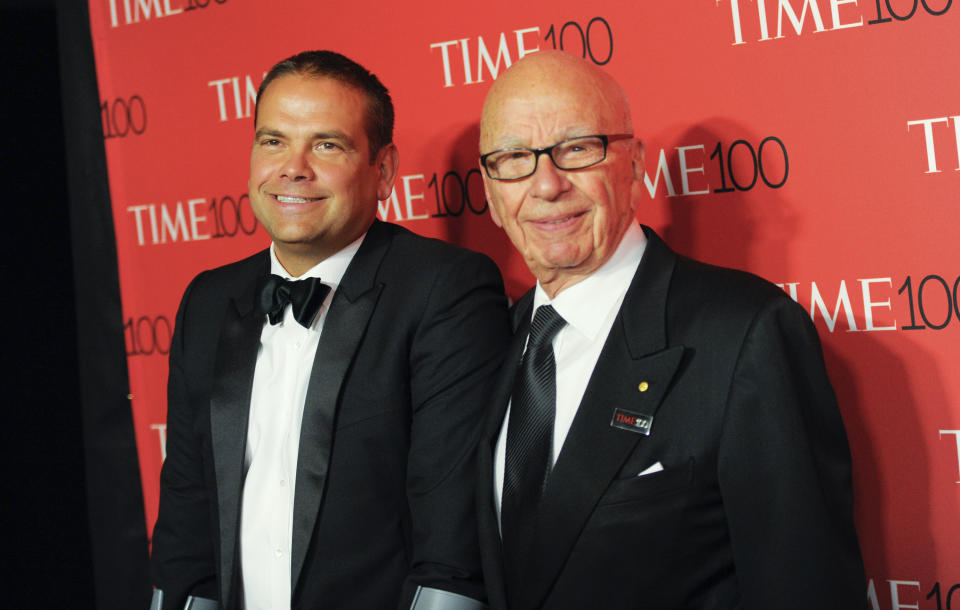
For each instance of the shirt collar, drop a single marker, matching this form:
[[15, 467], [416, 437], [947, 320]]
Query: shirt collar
[[330, 270], [586, 304]]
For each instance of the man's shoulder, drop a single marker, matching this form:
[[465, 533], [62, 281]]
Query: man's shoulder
[[414, 252], [242, 269], [721, 293], [695, 284], [220, 282], [713, 282], [404, 239]]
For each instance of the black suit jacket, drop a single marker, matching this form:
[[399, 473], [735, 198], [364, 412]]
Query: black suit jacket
[[753, 507], [384, 489]]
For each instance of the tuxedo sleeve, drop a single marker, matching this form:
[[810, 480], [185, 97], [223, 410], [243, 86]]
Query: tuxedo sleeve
[[457, 350], [784, 472], [182, 559]]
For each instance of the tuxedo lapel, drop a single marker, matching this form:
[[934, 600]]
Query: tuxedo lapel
[[633, 373], [229, 411], [500, 398], [346, 322]]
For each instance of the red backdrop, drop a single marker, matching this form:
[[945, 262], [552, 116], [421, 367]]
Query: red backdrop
[[814, 142]]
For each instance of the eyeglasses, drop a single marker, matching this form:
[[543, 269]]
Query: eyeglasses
[[575, 153]]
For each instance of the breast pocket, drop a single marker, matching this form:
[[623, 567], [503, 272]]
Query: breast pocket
[[671, 479]]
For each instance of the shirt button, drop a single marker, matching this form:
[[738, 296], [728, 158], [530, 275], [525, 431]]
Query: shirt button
[[283, 482], [298, 345], [278, 553]]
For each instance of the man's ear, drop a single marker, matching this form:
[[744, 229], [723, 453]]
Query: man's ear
[[638, 159], [387, 162], [486, 192], [636, 186]]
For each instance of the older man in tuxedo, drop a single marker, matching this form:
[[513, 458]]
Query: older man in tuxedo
[[663, 434], [324, 394]]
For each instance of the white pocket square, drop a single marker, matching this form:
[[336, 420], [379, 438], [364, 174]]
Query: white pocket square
[[656, 467]]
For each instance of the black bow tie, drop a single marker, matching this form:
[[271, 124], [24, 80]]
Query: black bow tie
[[305, 296]]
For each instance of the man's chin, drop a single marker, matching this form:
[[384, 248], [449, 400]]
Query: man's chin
[[560, 269], [561, 258]]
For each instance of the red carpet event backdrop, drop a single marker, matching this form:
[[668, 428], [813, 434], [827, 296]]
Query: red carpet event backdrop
[[813, 142]]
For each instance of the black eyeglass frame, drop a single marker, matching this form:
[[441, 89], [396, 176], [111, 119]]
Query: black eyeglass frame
[[605, 138]]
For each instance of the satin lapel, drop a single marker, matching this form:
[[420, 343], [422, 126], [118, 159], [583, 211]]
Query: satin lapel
[[594, 451], [229, 411], [500, 397], [345, 325]]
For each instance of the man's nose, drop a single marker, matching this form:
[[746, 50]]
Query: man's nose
[[549, 182], [297, 166]]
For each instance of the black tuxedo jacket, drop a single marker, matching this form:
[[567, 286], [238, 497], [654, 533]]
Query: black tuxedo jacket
[[384, 497], [753, 507]]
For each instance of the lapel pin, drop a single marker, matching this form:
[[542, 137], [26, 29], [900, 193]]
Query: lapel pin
[[634, 422], [644, 386]]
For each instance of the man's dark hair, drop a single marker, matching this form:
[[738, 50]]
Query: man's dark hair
[[328, 64]]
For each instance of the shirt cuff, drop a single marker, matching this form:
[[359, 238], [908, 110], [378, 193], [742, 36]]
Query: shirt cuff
[[193, 603], [428, 598]]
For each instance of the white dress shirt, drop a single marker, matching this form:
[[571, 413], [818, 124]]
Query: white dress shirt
[[284, 363], [590, 308]]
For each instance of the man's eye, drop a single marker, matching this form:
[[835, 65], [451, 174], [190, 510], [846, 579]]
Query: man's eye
[[328, 147], [270, 142], [510, 157]]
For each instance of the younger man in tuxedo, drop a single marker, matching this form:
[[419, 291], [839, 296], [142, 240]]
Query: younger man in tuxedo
[[324, 394]]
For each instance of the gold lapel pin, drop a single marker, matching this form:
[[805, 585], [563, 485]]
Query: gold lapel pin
[[644, 386]]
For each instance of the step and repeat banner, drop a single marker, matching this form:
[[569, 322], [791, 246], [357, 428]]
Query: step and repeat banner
[[813, 142]]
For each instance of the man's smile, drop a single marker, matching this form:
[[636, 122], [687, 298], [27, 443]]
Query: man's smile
[[558, 222], [293, 199]]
